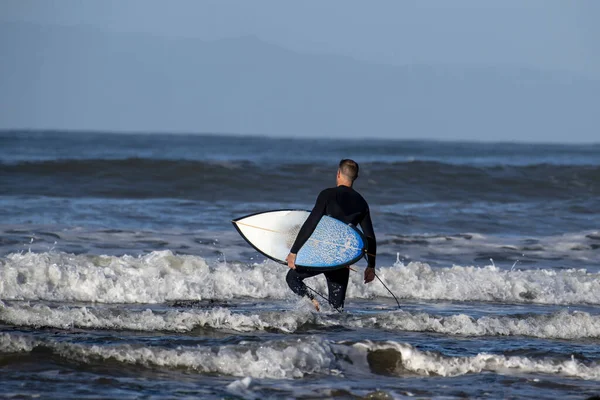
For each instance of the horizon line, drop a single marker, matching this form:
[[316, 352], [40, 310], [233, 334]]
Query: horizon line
[[308, 137]]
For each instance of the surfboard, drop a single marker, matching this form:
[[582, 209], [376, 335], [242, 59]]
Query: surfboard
[[332, 245]]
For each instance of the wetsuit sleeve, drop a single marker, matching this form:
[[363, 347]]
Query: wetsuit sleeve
[[311, 222], [367, 227]]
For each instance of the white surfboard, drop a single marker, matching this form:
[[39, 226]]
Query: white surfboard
[[333, 244]]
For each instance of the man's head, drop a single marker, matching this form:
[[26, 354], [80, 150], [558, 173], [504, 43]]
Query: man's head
[[347, 172]]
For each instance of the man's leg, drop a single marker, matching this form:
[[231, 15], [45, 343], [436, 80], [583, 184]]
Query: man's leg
[[337, 283], [295, 277]]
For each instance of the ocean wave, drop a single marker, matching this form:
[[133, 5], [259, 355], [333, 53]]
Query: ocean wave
[[161, 276], [65, 317], [274, 359], [300, 357], [397, 359], [559, 325], [418, 280], [195, 179]]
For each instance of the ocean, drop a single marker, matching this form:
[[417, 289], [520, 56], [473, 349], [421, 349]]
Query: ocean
[[121, 275]]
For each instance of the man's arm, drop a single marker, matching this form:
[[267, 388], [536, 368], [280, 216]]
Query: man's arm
[[311, 222], [367, 227], [308, 227]]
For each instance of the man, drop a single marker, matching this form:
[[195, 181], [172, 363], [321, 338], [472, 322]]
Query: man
[[347, 205]]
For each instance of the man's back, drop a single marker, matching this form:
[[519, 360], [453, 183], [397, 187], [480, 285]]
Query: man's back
[[345, 204], [342, 203]]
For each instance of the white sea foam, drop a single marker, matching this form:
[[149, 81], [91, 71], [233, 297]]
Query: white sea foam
[[560, 325], [428, 363], [157, 277], [87, 317], [64, 317], [274, 359], [420, 281], [296, 358], [16, 343], [161, 276], [241, 388]]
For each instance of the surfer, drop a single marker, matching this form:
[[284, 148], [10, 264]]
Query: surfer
[[347, 205]]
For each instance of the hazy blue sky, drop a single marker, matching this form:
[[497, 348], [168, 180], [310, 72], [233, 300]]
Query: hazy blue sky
[[550, 35]]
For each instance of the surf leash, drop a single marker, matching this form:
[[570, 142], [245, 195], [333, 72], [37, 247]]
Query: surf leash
[[384, 285], [388, 289], [323, 297]]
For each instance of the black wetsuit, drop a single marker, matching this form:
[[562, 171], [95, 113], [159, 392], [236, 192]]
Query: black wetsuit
[[347, 205]]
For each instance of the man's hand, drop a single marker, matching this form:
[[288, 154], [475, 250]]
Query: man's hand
[[369, 274], [291, 261]]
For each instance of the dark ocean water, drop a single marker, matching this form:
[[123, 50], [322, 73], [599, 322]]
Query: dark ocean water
[[122, 277]]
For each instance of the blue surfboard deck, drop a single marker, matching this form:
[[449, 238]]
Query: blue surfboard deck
[[332, 245]]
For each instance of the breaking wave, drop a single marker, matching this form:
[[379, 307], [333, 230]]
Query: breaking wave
[[297, 358], [161, 276], [559, 325]]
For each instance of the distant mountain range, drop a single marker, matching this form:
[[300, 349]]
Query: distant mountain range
[[80, 78]]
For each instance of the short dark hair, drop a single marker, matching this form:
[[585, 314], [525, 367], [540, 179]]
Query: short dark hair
[[349, 168]]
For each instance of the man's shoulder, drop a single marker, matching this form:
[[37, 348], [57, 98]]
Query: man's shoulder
[[356, 196], [327, 191], [360, 196]]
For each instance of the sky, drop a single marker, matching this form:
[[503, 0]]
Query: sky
[[547, 35]]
